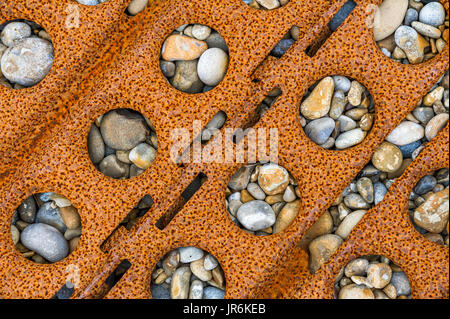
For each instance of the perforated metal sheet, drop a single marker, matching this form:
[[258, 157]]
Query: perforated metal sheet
[[112, 61]]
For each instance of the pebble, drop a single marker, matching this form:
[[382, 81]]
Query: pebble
[[46, 241], [355, 93], [388, 18], [273, 179], [320, 130], [286, 216], [365, 188], [426, 30], [433, 214], [167, 68], [142, 155], [213, 293], [215, 40], [256, 215], [405, 133], [423, 114], [354, 291], [436, 124], [210, 262], [349, 222], [401, 283], [350, 138], [15, 234], [432, 14], [198, 269], [28, 61], [137, 6], [426, 184], [387, 158], [341, 83], [186, 78], [321, 249], [182, 48], [411, 15], [112, 167], [179, 285], [159, 292], [411, 43], [289, 194], [212, 66], [256, 191], [346, 123], [241, 178], [70, 217], [357, 267], [27, 210], [196, 290], [317, 104], [96, 147], [49, 214], [324, 225], [123, 130], [379, 192], [190, 254], [379, 275], [14, 32]]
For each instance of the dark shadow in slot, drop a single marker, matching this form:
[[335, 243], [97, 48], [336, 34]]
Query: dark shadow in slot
[[179, 203], [332, 26], [115, 277]]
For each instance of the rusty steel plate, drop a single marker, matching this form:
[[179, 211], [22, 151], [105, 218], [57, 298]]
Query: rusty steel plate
[[111, 60]]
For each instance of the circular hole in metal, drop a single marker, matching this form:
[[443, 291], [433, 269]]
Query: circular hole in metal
[[428, 206], [411, 32], [188, 273], [26, 54], [194, 58], [46, 228], [122, 143], [262, 199], [337, 112], [372, 277], [266, 4]]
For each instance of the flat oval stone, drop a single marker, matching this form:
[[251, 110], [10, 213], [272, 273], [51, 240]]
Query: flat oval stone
[[198, 269], [286, 216], [341, 83], [426, 184], [432, 14], [142, 155], [379, 192], [46, 241], [179, 285], [387, 158], [49, 214], [186, 77], [401, 283], [321, 250], [436, 124], [112, 167], [28, 61], [405, 133], [432, 214], [411, 43], [256, 191], [27, 210], [15, 31], [408, 149], [136, 6], [320, 130], [350, 138], [212, 66], [346, 226], [96, 147], [354, 291], [388, 18], [196, 290], [256, 215], [379, 275]]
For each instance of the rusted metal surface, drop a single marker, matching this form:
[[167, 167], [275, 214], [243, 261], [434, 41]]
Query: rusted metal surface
[[112, 61]]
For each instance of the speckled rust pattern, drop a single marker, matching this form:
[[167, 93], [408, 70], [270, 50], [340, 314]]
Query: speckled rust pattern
[[112, 61]]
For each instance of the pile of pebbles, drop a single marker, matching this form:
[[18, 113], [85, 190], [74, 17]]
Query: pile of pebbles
[[411, 31], [188, 273], [263, 199], [194, 58], [266, 4], [46, 228], [26, 54], [372, 277], [122, 143], [337, 112], [429, 206]]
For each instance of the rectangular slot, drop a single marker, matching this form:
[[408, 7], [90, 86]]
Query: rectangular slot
[[268, 101], [179, 203], [129, 221], [332, 26], [216, 123], [115, 277]]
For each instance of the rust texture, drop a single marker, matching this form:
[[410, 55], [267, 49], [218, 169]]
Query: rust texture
[[112, 61]]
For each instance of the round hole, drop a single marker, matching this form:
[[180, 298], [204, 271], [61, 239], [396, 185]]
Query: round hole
[[46, 228], [337, 112], [372, 277], [266, 4], [91, 2], [262, 199], [122, 143], [188, 273], [429, 206], [26, 54], [411, 32], [194, 58]]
